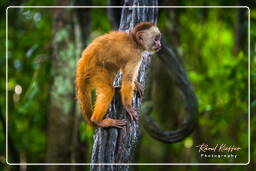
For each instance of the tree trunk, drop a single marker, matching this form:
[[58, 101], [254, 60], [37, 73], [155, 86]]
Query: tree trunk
[[84, 19], [114, 14], [62, 141], [114, 145]]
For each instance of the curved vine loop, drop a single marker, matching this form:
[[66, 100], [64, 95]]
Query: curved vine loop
[[170, 60]]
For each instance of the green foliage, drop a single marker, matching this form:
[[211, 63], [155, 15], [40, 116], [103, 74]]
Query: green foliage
[[28, 70], [86, 131], [220, 76], [206, 42], [100, 23]]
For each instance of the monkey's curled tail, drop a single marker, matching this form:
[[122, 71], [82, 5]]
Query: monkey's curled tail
[[84, 97]]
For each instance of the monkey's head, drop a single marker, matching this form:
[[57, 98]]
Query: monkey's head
[[147, 36]]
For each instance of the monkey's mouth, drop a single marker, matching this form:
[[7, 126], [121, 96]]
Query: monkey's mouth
[[156, 49]]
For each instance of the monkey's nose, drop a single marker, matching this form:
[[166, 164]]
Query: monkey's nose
[[158, 46]]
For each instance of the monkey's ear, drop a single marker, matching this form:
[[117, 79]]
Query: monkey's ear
[[139, 37]]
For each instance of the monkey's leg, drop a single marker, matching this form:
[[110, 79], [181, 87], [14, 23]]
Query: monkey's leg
[[105, 93], [127, 89]]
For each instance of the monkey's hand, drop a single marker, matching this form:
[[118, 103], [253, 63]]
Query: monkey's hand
[[140, 88], [132, 113]]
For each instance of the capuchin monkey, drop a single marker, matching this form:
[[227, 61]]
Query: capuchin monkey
[[102, 60]]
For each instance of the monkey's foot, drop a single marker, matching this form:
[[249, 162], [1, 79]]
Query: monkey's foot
[[111, 123], [132, 113], [140, 88]]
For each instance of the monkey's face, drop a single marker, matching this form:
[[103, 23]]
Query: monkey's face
[[150, 39]]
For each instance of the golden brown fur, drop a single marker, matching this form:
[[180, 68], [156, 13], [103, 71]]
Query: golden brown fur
[[99, 64]]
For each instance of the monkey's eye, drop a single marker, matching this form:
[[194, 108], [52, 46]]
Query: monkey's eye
[[157, 38]]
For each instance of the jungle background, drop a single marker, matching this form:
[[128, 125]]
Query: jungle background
[[211, 43]]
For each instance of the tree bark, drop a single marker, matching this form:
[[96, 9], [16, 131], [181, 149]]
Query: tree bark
[[114, 145], [118, 146]]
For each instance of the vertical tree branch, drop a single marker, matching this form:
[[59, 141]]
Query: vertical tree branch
[[114, 145]]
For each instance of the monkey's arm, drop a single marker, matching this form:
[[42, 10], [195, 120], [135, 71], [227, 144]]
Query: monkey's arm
[[127, 88], [138, 88]]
